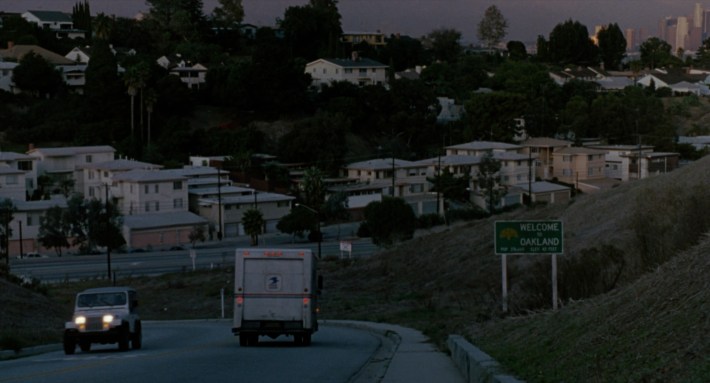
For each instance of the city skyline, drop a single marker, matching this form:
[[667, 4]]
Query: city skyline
[[526, 18]]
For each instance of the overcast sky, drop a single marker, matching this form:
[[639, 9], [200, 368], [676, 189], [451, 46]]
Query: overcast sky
[[526, 18]]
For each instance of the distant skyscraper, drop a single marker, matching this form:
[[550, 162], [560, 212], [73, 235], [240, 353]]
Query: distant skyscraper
[[630, 39], [681, 34], [698, 16]]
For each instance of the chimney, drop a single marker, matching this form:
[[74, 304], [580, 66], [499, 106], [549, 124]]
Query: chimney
[[30, 147], [354, 56]]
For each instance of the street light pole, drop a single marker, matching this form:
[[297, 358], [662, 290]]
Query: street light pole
[[320, 226], [219, 204]]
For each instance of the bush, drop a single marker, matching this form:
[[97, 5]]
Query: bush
[[426, 221], [10, 342]]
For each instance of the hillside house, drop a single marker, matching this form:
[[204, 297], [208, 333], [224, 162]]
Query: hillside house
[[59, 22], [97, 178], [480, 148], [375, 39], [356, 70], [226, 214], [25, 164]]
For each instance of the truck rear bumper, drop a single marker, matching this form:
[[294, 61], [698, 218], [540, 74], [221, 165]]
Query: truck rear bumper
[[273, 328]]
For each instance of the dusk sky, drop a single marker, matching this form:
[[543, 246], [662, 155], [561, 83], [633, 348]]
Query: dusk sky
[[526, 18]]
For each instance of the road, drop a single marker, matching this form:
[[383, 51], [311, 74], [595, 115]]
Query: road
[[208, 255], [203, 351]]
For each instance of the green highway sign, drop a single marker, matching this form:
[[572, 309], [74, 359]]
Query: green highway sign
[[528, 237]]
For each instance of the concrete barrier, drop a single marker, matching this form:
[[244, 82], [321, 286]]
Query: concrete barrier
[[475, 365]]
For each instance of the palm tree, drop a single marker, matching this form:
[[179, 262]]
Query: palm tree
[[253, 222], [102, 27], [151, 97]]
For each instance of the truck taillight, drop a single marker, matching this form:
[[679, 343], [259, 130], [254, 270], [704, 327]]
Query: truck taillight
[[240, 300], [306, 301]]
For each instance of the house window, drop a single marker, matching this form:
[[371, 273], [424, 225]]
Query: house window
[[590, 158], [91, 174], [348, 70], [567, 172], [177, 203], [156, 188], [147, 206], [91, 192], [11, 179], [157, 206], [88, 158], [566, 158], [362, 71], [24, 165], [325, 71], [146, 189], [590, 172], [177, 185]]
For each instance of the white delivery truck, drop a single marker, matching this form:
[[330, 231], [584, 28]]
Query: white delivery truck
[[275, 293]]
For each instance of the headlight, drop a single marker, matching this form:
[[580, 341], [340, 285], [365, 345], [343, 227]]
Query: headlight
[[108, 318], [80, 320]]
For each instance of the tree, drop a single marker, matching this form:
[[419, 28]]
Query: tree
[[517, 50], [197, 234], [298, 221], [81, 17], [103, 87], [612, 46], [655, 53], [37, 76], [230, 13], [253, 221], [313, 188], [173, 21], [312, 30], [445, 44], [492, 116], [450, 186], [489, 181], [569, 43], [7, 210], [492, 27], [390, 221], [54, 229]]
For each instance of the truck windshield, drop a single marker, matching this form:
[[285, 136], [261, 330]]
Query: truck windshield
[[101, 299]]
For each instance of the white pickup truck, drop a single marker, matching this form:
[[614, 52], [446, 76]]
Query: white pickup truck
[[275, 293], [104, 315]]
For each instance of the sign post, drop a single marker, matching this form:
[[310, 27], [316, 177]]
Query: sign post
[[528, 237], [346, 246]]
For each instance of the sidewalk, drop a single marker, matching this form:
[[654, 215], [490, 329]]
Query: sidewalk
[[405, 356]]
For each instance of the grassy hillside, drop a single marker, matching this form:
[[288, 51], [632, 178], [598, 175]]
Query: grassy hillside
[[633, 287]]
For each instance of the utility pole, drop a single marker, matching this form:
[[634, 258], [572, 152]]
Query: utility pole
[[219, 205]]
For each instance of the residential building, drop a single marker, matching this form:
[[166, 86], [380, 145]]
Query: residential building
[[226, 214], [67, 163], [618, 159], [6, 71], [193, 76], [25, 164], [26, 222], [380, 172], [12, 183], [578, 165], [59, 22], [540, 149], [138, 192], [480, 148], [97, 177], [356, 70]]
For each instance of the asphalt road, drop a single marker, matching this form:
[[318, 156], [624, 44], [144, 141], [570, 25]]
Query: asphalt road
[[208, 255], [203, 351]]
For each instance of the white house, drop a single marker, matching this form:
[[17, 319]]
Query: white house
[[56, 21], [479, 148], [356, 70], [96, 178]]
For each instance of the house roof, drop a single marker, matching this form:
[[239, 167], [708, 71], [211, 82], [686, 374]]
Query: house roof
[[151, 221], [578, 150], [140, 175], [545, 142], [122, 164], [17, 52], [196, 171], [53, 16], [485, 145], [72, 150], [450, 160], [349, 63], [40, 205], [12, 156], [379, 164]]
